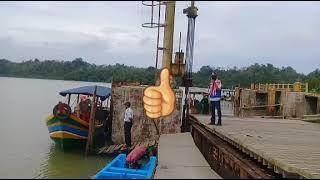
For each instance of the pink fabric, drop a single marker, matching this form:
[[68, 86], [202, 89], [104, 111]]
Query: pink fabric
[[215, 85], [83, 98], [136, 154]]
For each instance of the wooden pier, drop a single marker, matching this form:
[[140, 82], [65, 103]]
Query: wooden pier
[[290, 148]]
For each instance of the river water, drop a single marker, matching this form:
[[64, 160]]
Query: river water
[[26, 150]]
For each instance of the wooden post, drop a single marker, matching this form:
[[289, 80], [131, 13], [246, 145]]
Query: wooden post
[[307, 88], [78, 99], [69, 99], [91, 122], [252, 86], [185, 112], [236, 102]]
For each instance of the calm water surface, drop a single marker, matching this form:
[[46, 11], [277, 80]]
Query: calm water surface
[[26, 150]]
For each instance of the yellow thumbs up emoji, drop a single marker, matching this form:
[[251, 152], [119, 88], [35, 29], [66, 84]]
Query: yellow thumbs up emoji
[[160, 100]]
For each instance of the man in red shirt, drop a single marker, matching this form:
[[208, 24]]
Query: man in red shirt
[[215, 97]]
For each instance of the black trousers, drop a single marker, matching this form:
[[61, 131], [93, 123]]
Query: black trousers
[[213, 106], [127, 133]]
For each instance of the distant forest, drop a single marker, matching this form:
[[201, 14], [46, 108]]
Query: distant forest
[[80, 70]]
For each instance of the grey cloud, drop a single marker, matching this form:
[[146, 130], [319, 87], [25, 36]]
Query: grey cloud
[[227, 33]]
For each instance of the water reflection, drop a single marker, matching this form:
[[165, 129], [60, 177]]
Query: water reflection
[[72, 164]]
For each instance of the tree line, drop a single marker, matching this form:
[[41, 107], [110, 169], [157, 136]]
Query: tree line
[[80, 70]]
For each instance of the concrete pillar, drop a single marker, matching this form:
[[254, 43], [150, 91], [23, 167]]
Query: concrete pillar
[[271, 101], [143, 127], [300, 104]]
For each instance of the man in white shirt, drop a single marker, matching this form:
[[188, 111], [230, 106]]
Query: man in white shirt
[[128, 120]]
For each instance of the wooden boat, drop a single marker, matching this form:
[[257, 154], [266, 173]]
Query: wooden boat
[[68, 130], [117, 169]]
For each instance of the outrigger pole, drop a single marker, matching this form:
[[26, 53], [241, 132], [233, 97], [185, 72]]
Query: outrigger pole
[[91, 122]]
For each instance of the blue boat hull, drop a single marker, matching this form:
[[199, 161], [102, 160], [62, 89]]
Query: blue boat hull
[[117, 170]]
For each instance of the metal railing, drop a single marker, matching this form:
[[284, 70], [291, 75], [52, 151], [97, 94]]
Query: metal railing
[[295, 87]]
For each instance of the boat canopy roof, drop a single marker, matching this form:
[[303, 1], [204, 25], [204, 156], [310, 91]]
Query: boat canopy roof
[[102, 92]]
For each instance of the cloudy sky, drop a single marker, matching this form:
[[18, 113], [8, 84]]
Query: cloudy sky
[[227, 33]]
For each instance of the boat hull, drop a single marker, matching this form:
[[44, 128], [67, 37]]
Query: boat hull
[[68, 133]]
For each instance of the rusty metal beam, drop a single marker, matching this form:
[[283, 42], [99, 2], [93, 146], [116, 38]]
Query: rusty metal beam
[[168, 34]]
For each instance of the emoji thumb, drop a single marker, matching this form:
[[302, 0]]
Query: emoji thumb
[[165, 78]]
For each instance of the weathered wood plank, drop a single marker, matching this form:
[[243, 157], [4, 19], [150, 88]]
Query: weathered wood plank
[[118, 148], [112, 149], [102, 150], [123, 147], [108, 149]]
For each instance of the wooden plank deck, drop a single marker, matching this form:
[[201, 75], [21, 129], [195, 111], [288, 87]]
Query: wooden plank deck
[[120, 148], [285, 145], [179, 158]]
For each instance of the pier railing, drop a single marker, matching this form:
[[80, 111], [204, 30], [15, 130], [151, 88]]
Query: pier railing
[[295, 87]]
